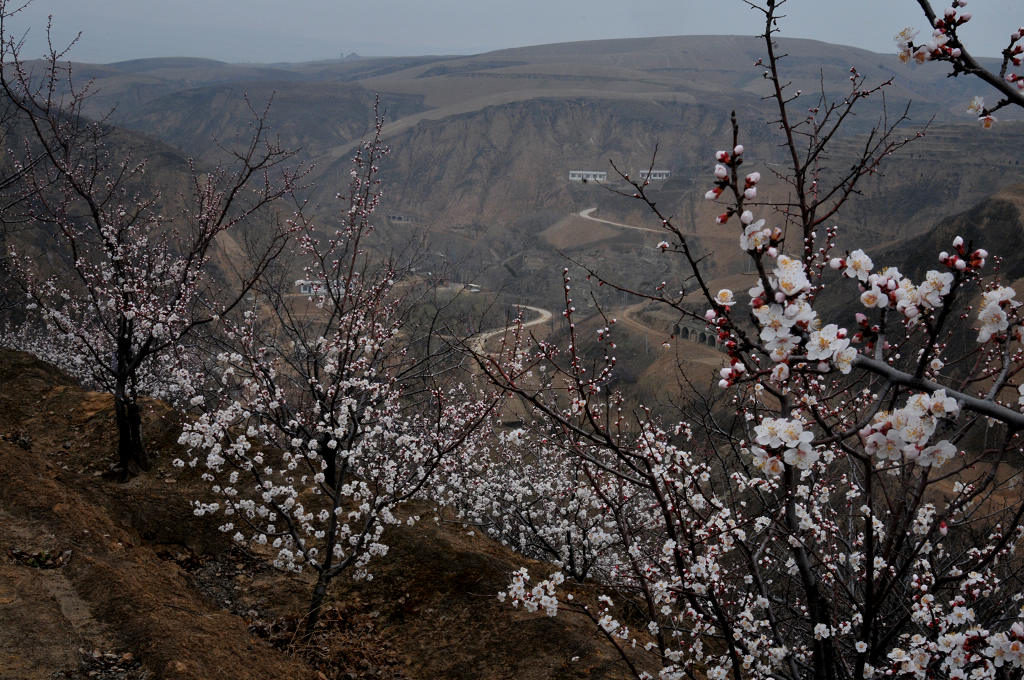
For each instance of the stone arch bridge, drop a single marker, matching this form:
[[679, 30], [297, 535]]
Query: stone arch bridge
[[697, 331]]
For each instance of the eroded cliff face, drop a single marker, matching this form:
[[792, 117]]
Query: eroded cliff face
[[498, 163], [486, 184]]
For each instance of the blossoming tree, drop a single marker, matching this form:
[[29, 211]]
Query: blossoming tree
[[329, 419], [852, 513], [534, 497], [945, 45], [135, 282]]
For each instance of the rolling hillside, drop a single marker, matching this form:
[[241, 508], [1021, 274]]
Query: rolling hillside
[[482, 145]]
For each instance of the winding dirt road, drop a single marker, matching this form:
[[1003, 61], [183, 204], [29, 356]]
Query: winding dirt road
[[588, 215], [476, 342]]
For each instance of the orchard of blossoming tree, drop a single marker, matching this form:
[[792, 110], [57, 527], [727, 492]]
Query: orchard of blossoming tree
[[844, 503]]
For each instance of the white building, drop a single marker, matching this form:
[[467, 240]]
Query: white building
[[587, 176], [307, 287], [654, 174]]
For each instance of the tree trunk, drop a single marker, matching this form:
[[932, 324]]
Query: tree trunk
[[328, 569], [131, 454], [316, 603]]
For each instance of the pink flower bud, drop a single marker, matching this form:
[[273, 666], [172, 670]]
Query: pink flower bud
[[737, 150], [958, 241], [835, 263], [722, 156], [750, 193], [721, 172], [753, 178], [965, 17], [961, 265], [747, 217], [773, 252]]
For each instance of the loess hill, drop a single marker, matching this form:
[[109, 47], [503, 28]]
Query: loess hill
[[483, 144]]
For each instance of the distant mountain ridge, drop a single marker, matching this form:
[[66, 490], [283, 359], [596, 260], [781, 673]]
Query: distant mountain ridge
[[661, 64]]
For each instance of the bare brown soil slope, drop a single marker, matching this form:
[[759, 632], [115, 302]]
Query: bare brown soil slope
[[106, 580]]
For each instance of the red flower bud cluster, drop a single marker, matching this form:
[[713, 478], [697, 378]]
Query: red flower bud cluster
[[964, 259], [868, 332], [728, 162]]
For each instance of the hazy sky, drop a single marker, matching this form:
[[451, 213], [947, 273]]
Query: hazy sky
[[302, 30]]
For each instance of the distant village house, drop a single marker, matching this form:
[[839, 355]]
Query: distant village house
[[655, 174], [307, 287], [587, 176], [598, 176]]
